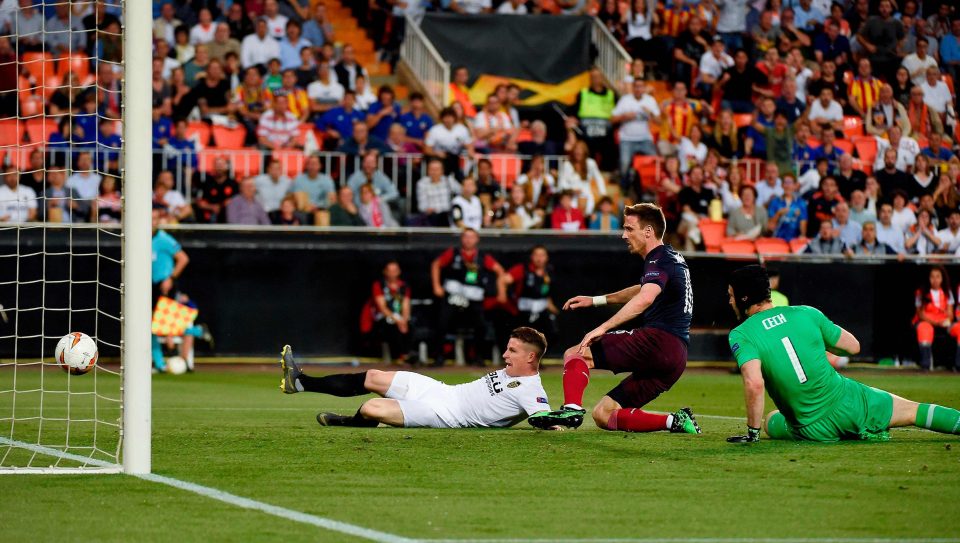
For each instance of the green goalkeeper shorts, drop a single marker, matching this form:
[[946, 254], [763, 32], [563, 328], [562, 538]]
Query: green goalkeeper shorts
[[862, 412]]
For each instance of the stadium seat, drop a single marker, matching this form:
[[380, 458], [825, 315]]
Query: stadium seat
[[11, 132], [245, 163], [21, 158], [206, 158], [797, 245], [949, 81], [753, 169], [738, 247], [200, 128], [77, 64], [291, 160], [229, 138], [506, 168], [852, 126], [713, 233], [845, 145], [772, 246], [647, 168], [866, 148], [306, 128], [742, 119], [40, 128], [40, 66], [31, 105]]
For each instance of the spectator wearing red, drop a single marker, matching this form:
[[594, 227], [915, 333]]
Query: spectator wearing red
[[528, 287], [935, 309], [678, 114], [565, 216], [460, 92], [865, 89], [775, 72], [386, 315]]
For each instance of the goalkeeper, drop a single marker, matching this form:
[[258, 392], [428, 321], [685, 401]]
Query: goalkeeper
[[500, 398], [784, 349]]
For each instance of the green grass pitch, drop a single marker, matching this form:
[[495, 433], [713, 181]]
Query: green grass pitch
[[236, 432]]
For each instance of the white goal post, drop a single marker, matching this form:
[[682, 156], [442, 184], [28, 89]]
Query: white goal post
[[73, 260]]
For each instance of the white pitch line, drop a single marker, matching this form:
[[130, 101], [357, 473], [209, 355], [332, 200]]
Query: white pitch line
[[705, 540], [226, 497]]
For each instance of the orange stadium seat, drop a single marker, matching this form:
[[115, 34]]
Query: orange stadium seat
[[772, 246], [742, 119], [74, 63], [306, 128], [11, 132], [291, 160], [866, 148], [31, 105], [797, 245], [39, 129], [202, 129], [738, 247], [229, 138], [852, 126], [40, 66], [647, 168], [506, 168], [949, 81], [713, 233], [845, 145], [246, 163]]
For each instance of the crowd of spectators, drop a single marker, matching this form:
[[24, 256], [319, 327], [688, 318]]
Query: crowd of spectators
[[793, 119]]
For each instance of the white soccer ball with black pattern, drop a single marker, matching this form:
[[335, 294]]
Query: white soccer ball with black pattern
[[76, 353]]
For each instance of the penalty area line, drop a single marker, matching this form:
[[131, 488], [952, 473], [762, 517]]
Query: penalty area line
[[226, 497], [705, 540]]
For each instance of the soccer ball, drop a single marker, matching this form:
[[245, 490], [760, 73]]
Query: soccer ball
[[76, 353], [176, 365]]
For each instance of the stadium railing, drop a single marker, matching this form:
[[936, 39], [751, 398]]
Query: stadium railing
[[612, 59], [426, 64]]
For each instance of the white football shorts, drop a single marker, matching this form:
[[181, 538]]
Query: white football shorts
[[425, 402]]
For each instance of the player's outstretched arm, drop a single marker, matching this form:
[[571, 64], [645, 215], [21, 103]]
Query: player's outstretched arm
[[753, 397], [847, 345], [619, 297], [637, 305]]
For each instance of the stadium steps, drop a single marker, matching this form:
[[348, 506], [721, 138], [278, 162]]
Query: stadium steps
[[346, 30]]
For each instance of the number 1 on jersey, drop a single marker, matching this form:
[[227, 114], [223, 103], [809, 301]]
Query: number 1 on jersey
[[794, 359]]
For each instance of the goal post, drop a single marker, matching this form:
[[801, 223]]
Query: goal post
[[137, 233], [75, 233]]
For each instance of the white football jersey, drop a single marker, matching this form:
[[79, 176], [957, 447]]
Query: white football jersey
[[498, 400]]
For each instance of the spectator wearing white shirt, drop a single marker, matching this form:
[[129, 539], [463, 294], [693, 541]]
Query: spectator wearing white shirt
[[950, 236], [466, 210], [581, 175], [163, 26], [936, 94], [633, 113], [770, 186], [493, 130], [325, 93], [276, 21], [272, 186], [810, 179], [887, 232], [712, 65], [435, 194], [903, 217], [84, 179], [258, 48], [447, 139], [165, 194], [203, 31], [692, 151], [512, 7], [907, 150], [18, 203], [850, 232], [278, 128], [471, 7], [639, 23], [919, 62], [825, 112]]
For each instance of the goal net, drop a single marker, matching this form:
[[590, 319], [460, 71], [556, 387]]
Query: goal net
[[63, 195]]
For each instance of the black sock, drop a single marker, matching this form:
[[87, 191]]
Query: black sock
[[341, 384], [956, 358], [360, 421], [926, 356]]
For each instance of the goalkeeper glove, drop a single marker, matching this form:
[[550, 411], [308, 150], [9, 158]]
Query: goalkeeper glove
[[753, 436]]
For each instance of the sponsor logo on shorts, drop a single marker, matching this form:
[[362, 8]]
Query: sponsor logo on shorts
[[513, 384]]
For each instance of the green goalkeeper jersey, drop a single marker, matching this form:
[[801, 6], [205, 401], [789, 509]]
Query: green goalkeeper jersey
[[790, 343]]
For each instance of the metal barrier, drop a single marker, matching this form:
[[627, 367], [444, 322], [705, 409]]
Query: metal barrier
[[427, 65], [612, 58]]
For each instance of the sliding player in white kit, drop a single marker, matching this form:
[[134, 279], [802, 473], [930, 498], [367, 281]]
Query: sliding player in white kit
[[500, 398]]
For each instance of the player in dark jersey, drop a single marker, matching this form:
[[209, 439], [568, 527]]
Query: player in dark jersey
[[782, 350], [656, 354]]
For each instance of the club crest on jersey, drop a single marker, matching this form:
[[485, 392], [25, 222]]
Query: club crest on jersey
[[513, 384], [541, 399], [774, 321]]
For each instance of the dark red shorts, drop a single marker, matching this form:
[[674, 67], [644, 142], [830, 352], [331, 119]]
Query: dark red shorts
[[655, 358]]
